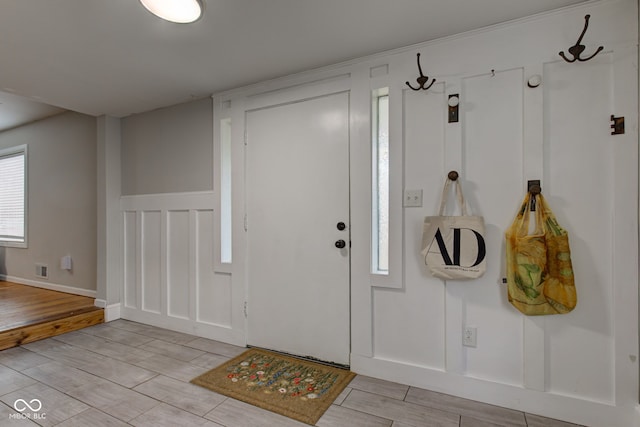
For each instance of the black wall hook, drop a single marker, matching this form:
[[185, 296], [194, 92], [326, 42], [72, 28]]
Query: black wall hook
[[577, 49], [535, 189], [422, 80]]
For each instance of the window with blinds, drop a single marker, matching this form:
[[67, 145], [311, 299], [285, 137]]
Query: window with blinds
[[13, 196]]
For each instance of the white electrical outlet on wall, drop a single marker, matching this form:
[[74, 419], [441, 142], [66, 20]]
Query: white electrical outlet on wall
[[470, 336]]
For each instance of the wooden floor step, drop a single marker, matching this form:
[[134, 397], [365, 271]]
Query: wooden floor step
[[51, 327], [29, 313]]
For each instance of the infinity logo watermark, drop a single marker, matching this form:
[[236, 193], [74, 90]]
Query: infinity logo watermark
[[34, 405], [21, 405]]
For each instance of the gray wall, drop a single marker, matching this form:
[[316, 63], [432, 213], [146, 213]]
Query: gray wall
[[62, 200], [163, 151], [169, 150]]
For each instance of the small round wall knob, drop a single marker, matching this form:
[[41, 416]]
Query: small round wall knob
[[534, 81], [341, 244], [341, 226]]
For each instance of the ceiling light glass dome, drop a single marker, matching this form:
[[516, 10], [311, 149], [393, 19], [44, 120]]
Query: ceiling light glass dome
[[179, 11]]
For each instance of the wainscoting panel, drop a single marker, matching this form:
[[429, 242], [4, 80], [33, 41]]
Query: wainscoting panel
[[213, 288], [130, 260], [169, 275], [178, 271], [492, 133], [151, 261], [582, 366]]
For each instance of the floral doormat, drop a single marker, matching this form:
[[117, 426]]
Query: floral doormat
[[292, 387]]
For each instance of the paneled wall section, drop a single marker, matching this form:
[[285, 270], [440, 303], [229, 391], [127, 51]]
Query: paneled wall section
[[169, 277], [407, 326], [567, 366]]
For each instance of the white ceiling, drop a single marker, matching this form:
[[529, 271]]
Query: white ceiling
[[113, 57]]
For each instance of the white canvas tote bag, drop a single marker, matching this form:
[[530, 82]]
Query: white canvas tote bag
[[453, 247]]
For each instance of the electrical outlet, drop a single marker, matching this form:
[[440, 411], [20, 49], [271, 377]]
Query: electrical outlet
[[470, 336]]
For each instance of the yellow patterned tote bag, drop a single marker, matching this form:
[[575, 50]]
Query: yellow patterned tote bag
[[539, 271]]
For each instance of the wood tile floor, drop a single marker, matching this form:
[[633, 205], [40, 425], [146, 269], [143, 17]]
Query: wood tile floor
[[124, 373]]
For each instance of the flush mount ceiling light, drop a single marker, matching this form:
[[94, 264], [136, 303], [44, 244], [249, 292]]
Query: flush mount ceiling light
[[179, 11]]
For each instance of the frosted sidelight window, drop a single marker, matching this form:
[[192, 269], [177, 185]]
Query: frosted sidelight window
[[380, 181], [225, 190], [13, 200]]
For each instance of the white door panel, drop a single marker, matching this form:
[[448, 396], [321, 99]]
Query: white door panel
[[297, 192]]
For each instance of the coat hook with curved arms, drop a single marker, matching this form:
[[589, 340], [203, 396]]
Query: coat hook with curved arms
[[577, 49], [422, 79]]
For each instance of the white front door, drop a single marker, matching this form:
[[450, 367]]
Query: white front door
[[297, 159]]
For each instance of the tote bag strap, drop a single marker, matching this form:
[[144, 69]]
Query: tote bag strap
[[547, 218], [520, 226], [459, 196]]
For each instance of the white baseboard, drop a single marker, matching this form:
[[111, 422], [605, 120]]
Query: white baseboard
[[221, 333], [50, 286], [111, 311], [582, 411]]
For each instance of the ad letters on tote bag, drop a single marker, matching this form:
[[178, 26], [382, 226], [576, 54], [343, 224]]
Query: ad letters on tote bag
[[539, 272], [453, 246]]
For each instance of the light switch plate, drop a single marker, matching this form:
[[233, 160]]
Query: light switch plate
[[412, 198]]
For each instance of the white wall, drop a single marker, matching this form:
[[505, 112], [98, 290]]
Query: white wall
[[169, 275], [407, 327], [62, 202], [508, 134], [170, 232], [581, 367], [108, 221]]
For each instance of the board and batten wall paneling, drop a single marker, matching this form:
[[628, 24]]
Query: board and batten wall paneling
[[578, 165], [130, 255], [169, 265], [492, 155], [150, 268], [424, 130], [213, 288], [178, 264], [582, 366]]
